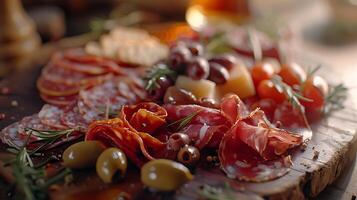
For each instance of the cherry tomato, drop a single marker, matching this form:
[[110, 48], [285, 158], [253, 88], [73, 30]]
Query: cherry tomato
[[266, 89], [262, 71], [267, 105], [292, 74], [315, 88]]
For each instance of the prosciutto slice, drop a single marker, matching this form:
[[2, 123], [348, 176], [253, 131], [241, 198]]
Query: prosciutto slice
[[253, 149], [207, 126]]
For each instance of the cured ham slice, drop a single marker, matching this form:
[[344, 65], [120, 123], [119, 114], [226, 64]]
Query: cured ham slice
[[253, 149], [207, 123], [241, 162]]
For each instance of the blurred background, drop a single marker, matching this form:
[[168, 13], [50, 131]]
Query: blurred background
[[324, 26], [320, 31]]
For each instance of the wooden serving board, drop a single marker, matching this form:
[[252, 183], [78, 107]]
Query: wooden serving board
[[331, 149]]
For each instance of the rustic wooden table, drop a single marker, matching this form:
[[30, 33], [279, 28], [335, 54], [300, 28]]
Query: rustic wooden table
[[305, 23]]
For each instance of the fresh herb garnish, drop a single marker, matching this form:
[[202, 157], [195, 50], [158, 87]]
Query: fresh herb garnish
[[158, 71], [218, 44], [312, 71], [47, 137], [184, 121], [335, 98], [108, 111], [293, 96], [216, 193], [255, 44], [49, 134], [31, 180]]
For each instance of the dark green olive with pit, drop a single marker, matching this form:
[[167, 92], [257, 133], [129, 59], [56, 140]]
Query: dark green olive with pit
[[111, 163], [165, 175], [82, 154], [188, 155]]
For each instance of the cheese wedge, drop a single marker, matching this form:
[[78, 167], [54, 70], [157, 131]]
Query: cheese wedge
[[199, 88], [240, 83]]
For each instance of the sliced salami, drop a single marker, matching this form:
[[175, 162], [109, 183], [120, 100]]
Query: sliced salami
[[60, 75], [88, 114], [106, 94], [51, 116], [51, 88], [72, 118], [16, 134], [61, 101]]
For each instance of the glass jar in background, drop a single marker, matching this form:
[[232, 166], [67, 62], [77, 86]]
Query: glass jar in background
[[217, 13]]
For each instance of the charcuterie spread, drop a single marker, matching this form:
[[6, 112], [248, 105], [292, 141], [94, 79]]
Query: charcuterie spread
[[222, 99]]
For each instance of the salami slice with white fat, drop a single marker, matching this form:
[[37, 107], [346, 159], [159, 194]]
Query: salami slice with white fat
[[72, 118], [15, 133], [61, 101], [113, 94], [51, 116]]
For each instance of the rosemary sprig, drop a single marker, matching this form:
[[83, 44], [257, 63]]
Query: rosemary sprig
[[49, 134], [255, 44], [31, 179], [293, 96], [335, 97], [312, 71], [218, 44], [184, 121], [108, 111], [158, 71]]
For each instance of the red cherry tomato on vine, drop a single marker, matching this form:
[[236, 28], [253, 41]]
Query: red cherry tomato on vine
[[292, 74], [267, 90], [262, 71], [315, 89]]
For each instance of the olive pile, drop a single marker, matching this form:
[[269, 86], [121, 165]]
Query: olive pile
[[188, 57], [111, 163]]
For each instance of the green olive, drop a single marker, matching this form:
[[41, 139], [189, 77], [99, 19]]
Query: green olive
[[188, 155], [110, 163], [82, 154], [165, 175]]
